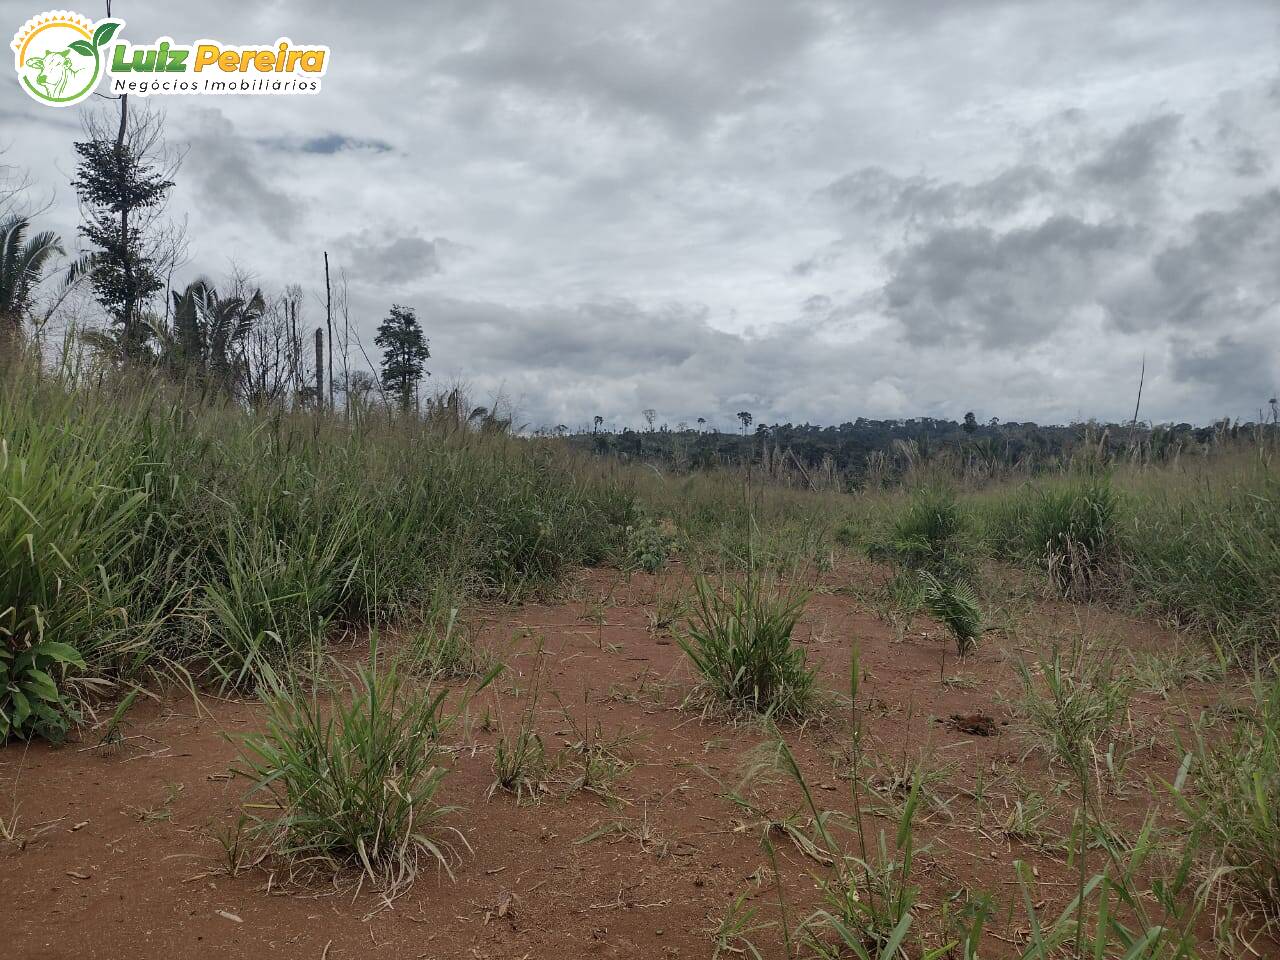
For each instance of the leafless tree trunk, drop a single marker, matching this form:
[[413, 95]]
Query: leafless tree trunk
[[328, 320], [319, 369], [345, 304]]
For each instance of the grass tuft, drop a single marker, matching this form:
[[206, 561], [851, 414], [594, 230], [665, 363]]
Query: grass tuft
[[354, 784], [1234, 804], [738, 638]]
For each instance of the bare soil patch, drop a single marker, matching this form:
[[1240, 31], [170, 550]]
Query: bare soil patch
[[115, 851]]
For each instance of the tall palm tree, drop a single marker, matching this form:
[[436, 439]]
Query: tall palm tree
[[23, 262]]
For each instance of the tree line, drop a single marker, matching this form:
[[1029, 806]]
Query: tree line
[[867, 451]]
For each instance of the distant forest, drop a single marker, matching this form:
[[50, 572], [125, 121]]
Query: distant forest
[[866, 452]]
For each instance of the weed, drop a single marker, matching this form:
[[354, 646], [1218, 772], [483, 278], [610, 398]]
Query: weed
[[648, 544], [163, 811], [1110, 916], [739, 640], [1071, 716], [894, 785], [236, 843], [1026, 822], [355, 786], [899, 600], [642, 830], [731, 936], [519, 764], [1235, 805], [592, 761], [667, 609], [1164, 672], [520, 759], [143, 532]]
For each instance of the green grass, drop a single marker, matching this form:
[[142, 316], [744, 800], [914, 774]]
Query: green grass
[[738, 638], [1067, 526], [1196, 543], [81, 587], [144, 533], [353, 783], [1233, 802], [931, 534], [1204, 549]]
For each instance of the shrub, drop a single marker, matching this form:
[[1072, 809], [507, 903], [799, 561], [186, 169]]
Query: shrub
[[354, 785], [739, 640], [648, 546]]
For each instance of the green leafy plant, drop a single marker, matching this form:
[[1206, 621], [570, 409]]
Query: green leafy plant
[[954, 604], [30, 701], [648, 545]]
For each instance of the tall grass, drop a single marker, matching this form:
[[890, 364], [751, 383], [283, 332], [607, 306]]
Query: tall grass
[[1065, 525], [77, 579], [1199, 544], [1234, 802], [931, 534], [140, 532], [1204, 548]]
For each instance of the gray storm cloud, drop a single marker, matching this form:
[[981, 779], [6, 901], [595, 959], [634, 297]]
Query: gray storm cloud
[[814, 210]]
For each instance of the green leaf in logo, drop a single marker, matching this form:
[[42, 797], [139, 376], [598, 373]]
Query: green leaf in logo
[[104, 33], [82, 47]]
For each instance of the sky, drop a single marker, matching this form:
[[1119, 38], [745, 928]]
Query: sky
[[810, 210]]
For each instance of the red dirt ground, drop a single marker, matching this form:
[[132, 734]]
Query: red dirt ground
[[115, 853]]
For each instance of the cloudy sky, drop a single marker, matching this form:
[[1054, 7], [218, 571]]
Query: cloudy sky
[[810, 210]]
